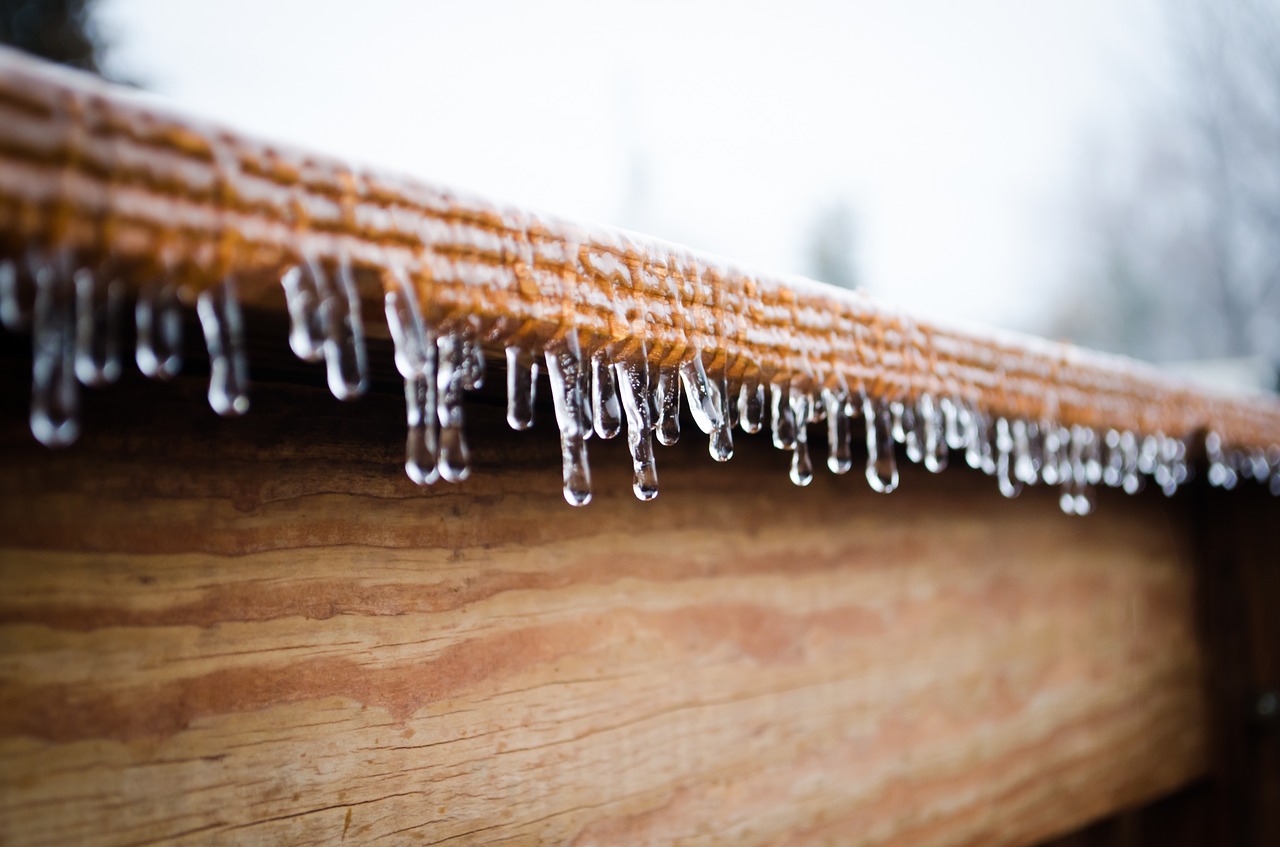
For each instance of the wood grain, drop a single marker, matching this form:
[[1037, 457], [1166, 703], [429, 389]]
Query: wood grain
[[257, 631]]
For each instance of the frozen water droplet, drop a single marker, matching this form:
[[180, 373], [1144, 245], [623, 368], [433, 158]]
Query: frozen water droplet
[[305, 286], [953, 412], [667, 401], [801, 472], [839, 453], [522, 383], [1025, 469], [783, 421], [882, 466], [157, 317], [932, 435], [564, 366], [1010, 484], [1077, 497], [55, 394], [415, 358], [1051, 453], [422, 439], [471, 367], [1112, 459], [751, 405], [346, 361], [974, 436], [700, 391], [633, 389], [451, 375], [1148, 453], [983, 453], [98, 306], [898, 426], [1221, 474], [18, 290], [219, 311], [911, 440], [720, 444], [1131, 480], [606, 411]]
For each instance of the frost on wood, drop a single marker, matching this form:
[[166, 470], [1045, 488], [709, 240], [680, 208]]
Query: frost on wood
[[107, 201]]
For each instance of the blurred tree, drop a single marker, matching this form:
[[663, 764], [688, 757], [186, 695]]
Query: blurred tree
[[831, 252], [59, 30], [1180, 250]]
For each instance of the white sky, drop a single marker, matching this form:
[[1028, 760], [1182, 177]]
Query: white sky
[[953, 128]]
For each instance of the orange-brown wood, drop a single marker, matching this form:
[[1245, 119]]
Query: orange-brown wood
[[258, 631], [95, 169]]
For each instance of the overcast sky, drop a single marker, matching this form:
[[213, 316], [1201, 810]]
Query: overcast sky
[[952, 128]]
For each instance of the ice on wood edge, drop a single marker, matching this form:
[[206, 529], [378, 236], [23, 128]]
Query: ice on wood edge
[[74, 311], [628, 329]]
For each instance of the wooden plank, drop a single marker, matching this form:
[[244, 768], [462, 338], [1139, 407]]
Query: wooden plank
[[258, 631], [98, 169]]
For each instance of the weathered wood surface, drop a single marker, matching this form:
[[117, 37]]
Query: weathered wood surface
[[258, 631]]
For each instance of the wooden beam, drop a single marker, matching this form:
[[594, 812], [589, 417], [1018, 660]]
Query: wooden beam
[[98, 169], [257, 630]]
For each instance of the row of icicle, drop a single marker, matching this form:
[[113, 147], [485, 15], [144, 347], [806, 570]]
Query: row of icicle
[[74, 310]]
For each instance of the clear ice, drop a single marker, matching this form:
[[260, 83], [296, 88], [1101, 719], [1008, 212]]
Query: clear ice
[[522, 384], [565, 367], [157, 318], [74, 310], [99, 303], [882, 465]]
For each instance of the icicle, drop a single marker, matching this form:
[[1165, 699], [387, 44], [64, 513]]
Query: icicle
[[1051, 465], [1010, 484], [1112, 459], [667, 402], [751, 405], [346, 361], [157, 317], [451, 377], [801, 465], [606, 413], [911, 439], [1131, 480], [305, 288], [1148, 454], [882, 466], [1221, 474], [415, 357], [700, 391], [471, 367], [954, 424], [986, 437], [974, 436], [633, 389], [18, 291], [219, 311], [839, 453], [931, 434], [1077, 496], [55, 394], [898, 427], [564, 367], [1025, 469], [97, 328], [720, 444], [522, 384], [783, 421], [1171, 465]]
